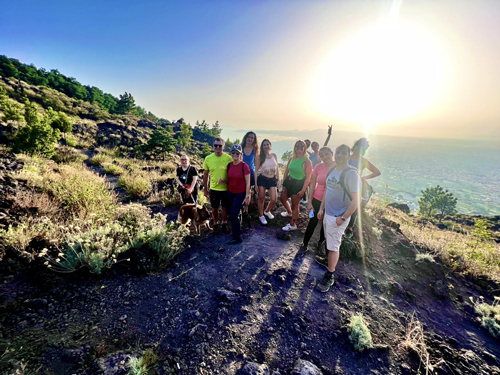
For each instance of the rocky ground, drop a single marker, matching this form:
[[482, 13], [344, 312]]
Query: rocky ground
[[247, 309]]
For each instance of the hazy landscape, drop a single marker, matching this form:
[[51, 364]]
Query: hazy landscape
[[467, 168]]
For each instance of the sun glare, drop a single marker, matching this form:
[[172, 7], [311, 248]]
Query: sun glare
[[385, 73]]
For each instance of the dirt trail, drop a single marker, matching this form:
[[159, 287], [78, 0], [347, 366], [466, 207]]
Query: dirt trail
[[218, 307]]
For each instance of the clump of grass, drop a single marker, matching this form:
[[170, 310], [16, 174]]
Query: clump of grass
[[142, 365], [71, 140], [171, 199], [100, 159], [66, 154], [490, 315], [168, 167], [360, 335], [110, 168], [136, 184], [19, 237], [424, 256], [414, 340]]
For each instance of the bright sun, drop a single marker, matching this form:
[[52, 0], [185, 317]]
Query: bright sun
[[385, 73]]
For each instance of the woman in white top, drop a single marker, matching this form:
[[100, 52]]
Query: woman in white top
[[268, 178]]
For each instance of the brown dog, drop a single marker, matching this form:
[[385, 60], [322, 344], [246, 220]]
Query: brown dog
[[197, 215]]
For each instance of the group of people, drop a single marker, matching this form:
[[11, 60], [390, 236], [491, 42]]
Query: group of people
[[333, 180]]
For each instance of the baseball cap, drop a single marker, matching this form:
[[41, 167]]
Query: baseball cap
[[236, 147]]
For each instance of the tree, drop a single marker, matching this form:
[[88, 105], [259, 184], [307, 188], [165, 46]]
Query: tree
[[216, 130], [286, 156], [36, 136], [185, 134], [126, 104], [207, 150], [58, 120], [160, 143], [436, 201]]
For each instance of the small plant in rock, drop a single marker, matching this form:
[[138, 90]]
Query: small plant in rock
[[424, 256], [490, 315], [142, 365], [415, 341], [360, 335]]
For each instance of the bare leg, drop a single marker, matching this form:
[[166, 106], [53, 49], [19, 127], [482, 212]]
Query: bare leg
[[295, 208], [261, 201], [333, 259], [284, 201], [273, 192]]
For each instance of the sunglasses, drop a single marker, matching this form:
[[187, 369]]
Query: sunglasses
[[235, 153], [184, 160], [218, 146]]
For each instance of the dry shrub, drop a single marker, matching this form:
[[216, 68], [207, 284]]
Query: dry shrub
[[415, 341], [66, 154], [136, 184], [41, 201]]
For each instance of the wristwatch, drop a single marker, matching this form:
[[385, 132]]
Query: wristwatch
[[343, 218]]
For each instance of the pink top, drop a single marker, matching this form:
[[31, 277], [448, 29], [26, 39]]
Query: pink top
[[320, 171]]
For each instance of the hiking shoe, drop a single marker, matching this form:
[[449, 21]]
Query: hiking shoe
[[286, 214], [322, 261], [289, 228], [235, 241], [216, 229], [225, 228], [349, 233], [269, 215], [302, 251], [326, 282], [263, 220], [321, 249]]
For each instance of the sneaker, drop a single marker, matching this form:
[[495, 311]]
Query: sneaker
[[225, 228], [322, 261], [263, 220], [269, 215], [302, 251], [289, 228], [321, 250], [326, 282], [216, 229], [304, 201], [235, 241], [286, 214]]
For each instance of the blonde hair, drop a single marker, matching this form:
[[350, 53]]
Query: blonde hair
[[294, 154]]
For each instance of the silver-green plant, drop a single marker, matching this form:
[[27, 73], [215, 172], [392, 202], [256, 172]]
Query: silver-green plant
[[360, 335]]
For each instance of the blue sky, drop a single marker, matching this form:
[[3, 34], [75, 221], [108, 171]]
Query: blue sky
[[253, 64]]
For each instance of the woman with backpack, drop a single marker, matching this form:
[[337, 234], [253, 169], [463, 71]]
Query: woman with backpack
[[187, 181], [238, 187], [317, 186], [295, 182]]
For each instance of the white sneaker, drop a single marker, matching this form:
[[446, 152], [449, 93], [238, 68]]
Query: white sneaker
[[304, 201], [263, 220], [285, 214], [289, 228], [269, 215]]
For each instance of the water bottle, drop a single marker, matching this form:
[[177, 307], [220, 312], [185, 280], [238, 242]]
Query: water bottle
[[311, 214]]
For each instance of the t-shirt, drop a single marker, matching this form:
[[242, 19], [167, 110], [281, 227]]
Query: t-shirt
[[217, 167], [236, 177], [336, 200], [320, 172], [186, 176]]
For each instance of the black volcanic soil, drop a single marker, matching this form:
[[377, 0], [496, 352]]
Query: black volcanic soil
[[219, 307]]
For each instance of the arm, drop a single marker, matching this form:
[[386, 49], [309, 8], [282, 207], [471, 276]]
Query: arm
[[329, 135], [312, 186], [205, 183], [375, 172], [193, 184], [285, 174], [257, 167], [277, 174], [350, 210], [308, 167], [321, 212], [179, 181], [247, 188]]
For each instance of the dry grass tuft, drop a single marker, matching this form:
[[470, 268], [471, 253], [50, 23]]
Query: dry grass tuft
[[415, 341]]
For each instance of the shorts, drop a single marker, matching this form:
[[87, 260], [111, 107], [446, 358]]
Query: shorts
[[293, 186], [266, 182], [218, 198], [333, 232]]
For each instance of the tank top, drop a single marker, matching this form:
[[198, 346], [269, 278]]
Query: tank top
[[269, 167], [296, 170], [250, 160]]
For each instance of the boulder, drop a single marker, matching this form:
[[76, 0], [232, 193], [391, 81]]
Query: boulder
[[400, 206], [303, 367]]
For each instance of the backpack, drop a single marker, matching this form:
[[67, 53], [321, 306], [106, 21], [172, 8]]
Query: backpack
[[366, 188]]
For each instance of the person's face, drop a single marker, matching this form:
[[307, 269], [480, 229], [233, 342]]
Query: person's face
[[236, 155], [184, 161], [308, 143], [218, 147], [266, 146], [250, 139], [299, 149], [326, 156], [341, 155], [315, 146]]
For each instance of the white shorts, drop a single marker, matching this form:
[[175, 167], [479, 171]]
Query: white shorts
[[333, 232]]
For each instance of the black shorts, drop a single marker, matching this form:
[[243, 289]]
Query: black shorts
[[267, 182], [218, 198], [293, 186]]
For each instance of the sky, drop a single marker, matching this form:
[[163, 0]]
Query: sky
[[403, 68]]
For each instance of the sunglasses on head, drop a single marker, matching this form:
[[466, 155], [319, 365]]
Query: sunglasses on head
[[218, 146]]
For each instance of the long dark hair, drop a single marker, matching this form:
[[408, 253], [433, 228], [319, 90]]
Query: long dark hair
[[255, 142], [262, 154], [361, 145]]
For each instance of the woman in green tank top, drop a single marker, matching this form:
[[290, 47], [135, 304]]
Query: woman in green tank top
[[295, 182]]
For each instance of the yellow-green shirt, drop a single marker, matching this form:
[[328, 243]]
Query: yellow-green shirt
[[217, 166]]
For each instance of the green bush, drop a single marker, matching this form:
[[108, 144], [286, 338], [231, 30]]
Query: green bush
[[100, 159], [136, 185], [201, 198], [71, 140], [113, 169], [360, 335]]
